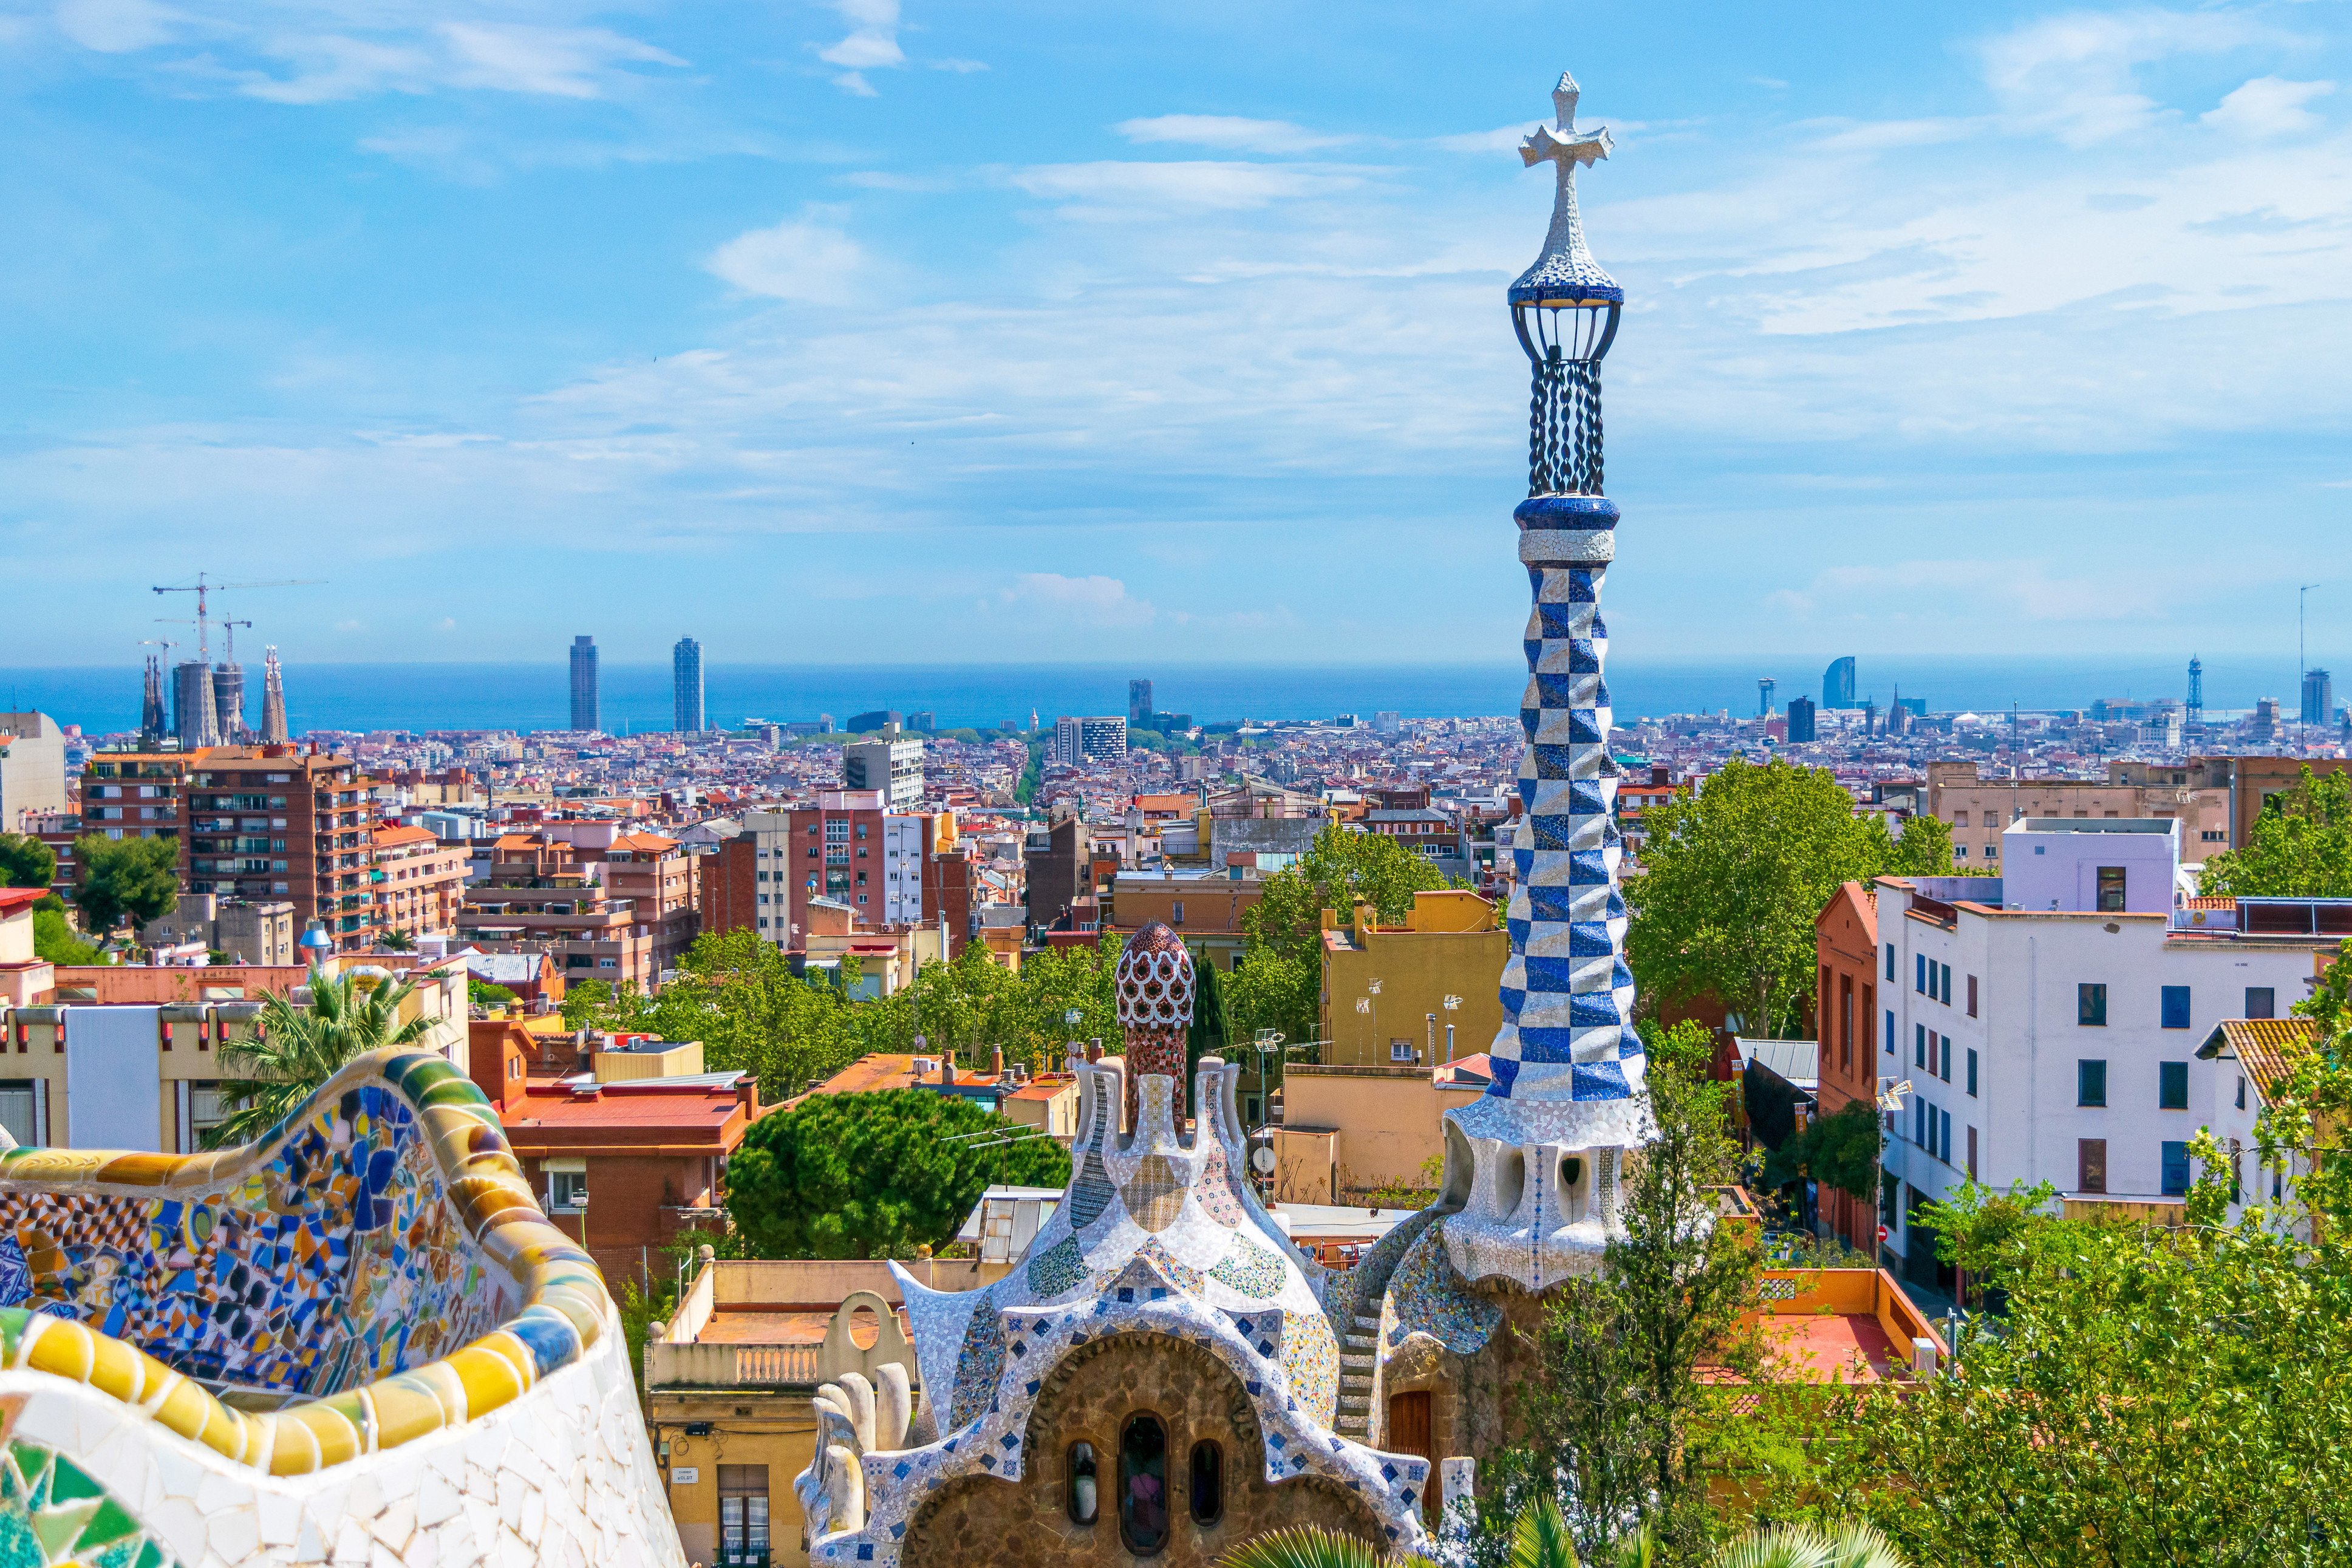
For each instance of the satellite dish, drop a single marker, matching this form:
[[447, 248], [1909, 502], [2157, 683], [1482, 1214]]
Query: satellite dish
[[1262, 1160]]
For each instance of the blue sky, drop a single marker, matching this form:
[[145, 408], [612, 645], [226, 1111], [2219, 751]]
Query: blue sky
[[875, 332]]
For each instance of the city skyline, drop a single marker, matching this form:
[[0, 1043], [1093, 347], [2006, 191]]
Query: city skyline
[[1926, 328]]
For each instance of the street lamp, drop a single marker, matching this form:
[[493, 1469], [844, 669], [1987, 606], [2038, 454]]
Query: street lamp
[[1889, 1102]]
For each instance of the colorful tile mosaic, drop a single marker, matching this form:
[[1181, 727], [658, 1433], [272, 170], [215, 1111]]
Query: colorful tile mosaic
[[1060, 1268], [1251, 1270], [1156, 1195], [978, 1368], [54, 1514], [1427, 1297], [376, 1263]]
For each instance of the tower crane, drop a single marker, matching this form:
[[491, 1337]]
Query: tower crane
[[203, 587]]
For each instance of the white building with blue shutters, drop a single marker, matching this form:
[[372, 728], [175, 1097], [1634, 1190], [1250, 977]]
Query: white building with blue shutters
[[2059, 1041]]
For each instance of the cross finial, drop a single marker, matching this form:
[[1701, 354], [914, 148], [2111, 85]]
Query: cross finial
[[1565, 269], [1564, 144]]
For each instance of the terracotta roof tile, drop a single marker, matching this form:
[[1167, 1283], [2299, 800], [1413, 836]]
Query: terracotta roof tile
[[2271, 1047]]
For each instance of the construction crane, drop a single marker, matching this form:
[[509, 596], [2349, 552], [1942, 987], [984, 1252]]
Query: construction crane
[[201, 587]]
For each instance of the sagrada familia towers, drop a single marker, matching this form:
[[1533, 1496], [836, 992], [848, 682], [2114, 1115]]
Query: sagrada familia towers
[[1163, 1374]]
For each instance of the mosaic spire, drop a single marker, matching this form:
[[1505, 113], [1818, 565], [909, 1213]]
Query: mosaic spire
[[1545, 1142]]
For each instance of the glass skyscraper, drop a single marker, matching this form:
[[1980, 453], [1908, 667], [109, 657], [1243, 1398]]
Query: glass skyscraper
[[686, 685], [585, 714]]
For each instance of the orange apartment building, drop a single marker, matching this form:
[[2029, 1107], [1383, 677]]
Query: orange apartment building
[[419, 883], [1845, 944], [654, 874]]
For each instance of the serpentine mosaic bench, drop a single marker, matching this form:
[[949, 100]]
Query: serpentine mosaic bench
[[355, 1340]]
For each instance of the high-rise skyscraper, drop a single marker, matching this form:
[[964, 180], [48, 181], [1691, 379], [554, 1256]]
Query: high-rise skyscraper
[[1138, 701], [1800, 721], [195, 718], [585, 715], [228, 701], [1837, 683], [1764, 688], [2319, 697], [273, 699], [686, 686]]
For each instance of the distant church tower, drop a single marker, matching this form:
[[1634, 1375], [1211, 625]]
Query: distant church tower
[[152, 721], [273, 699]]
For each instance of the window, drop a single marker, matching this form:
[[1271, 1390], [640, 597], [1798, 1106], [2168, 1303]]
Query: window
[[1992, 852], [1960, 819], [1947, 1073], [1143, 1485], [1919, 973], [2091, 1082], [2175, 1169], [1944, 1142], [1973, 1073], [1972, 995], [1082, 1499], [1919, 1123], [1959, 851], [2111, 890], [567, 1190], [1179, 904], [2241, 1092], [1890, 1031], [1943, 972], [19, 1114], [2091, 1006], [2172, 1085], [2262, 1002], [1918, 1044], [2176, 1006], [2091, 1165], [1401, 1050], [1973, 1153], [1890, 961], [742, 1515], [1208, 1483]]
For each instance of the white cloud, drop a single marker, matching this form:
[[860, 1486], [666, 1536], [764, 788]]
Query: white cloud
[[871, 44], [2027, 589], [1228, 132], [2269, 106], [115, 27], [1225, 186], [2076, 75], [803, 260], [563, 63], [1080, 601]]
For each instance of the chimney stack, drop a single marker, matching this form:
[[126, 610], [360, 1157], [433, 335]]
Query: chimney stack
[[997, 1061]]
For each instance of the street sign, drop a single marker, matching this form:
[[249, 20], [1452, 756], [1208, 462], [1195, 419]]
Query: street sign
[[1882, 1235]]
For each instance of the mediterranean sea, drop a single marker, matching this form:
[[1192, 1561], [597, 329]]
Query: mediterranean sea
[[488, 696]]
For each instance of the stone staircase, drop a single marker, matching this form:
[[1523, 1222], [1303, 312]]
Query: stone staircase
[[1359, 1355]]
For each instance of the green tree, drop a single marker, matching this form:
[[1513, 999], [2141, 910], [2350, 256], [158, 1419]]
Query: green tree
[[294, 1050], [397, 942], [133, 878], [1838, 1151], [26, 861], [483, 994], [2300, 845], [55, 940], [877, 1176], [1734, 873], [1621, 1428]]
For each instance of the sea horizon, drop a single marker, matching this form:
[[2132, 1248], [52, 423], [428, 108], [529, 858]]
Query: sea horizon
[[461, 695]]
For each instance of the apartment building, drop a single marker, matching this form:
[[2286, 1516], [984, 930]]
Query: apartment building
[[889, 762], [846, 847], [32, 769], [651, 871], [1386, 989], [535, 896], [419, 882], [2049, 1020], [2196, 794], [1845, 1028]]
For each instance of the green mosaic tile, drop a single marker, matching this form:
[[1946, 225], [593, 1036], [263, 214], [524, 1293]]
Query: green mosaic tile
[[111, 1523], [19, 1548], [59, 1528], [69, 1482]]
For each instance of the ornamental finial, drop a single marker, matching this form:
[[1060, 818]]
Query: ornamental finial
[[1565, 273]]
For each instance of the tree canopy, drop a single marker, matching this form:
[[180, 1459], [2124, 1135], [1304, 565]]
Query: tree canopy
[[293, 1051], [26, 861], [1840, 1151], [1733, 874], [877, 1176], [2300, 845], [55, 940], [133, 878]]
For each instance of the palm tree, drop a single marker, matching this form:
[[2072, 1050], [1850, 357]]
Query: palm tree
[[397, 942], [1802, 1546], [293, 1051], [1312, 1546]]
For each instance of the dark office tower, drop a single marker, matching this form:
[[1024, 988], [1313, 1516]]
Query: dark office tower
[[2318, 697], [194, 720], [228, 701], [1800, 721], [1138, 701], [686, 686], [585, 716], [1837, 684]]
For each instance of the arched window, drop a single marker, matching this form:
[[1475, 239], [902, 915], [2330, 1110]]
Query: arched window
[[1143, 1485], [1084, 1500], [1208, 1482]]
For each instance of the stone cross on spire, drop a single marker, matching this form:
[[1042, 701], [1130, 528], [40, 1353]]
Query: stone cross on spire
[[1565, 272]]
